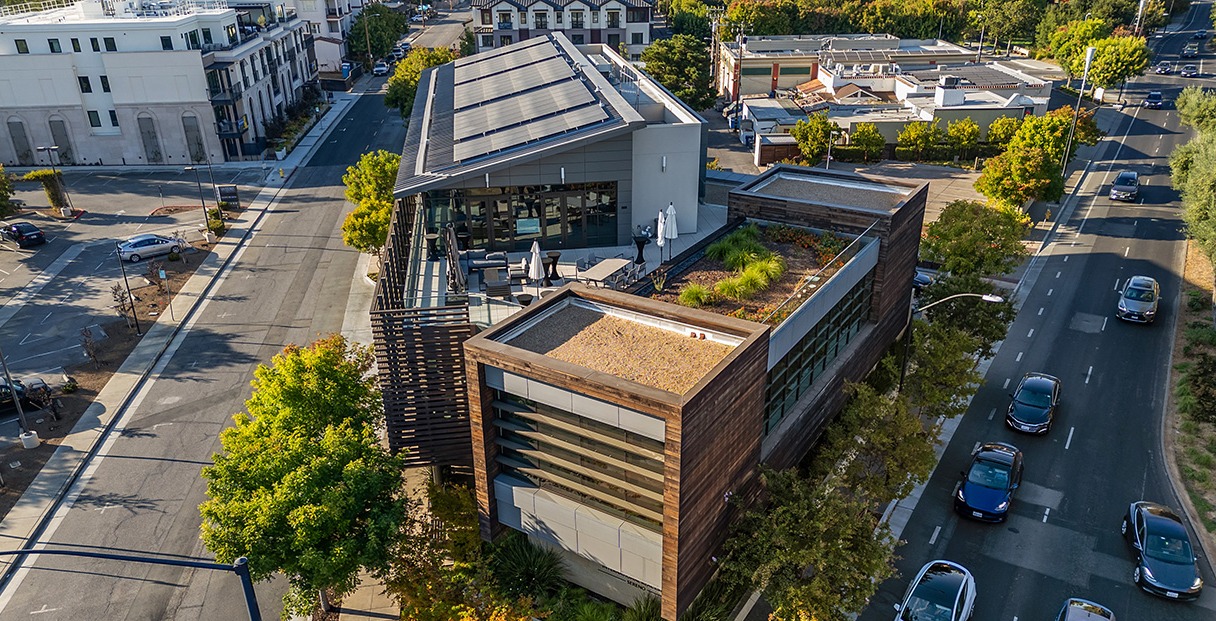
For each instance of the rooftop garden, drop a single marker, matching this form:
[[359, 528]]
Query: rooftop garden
[[751, 272]]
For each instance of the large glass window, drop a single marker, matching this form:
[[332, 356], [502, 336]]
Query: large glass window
[[791, 378], [576, 215]]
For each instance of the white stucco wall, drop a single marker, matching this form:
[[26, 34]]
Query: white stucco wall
[[656, 185]]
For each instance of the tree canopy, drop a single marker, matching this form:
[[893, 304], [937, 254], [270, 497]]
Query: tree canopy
[[813, 136], [6, 193], [302, 485], [1002, 129], [866, 137], [963, 135], [681, 64], [920, 136], [970, 237], [1197, 108], [369, 185], [403, 84], [1117, 59], [985, 322]]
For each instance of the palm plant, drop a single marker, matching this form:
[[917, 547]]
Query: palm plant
[[527, 570]]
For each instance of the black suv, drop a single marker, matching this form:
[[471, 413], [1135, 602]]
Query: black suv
[[1154, 100], [1126, 186], [1033, 405]]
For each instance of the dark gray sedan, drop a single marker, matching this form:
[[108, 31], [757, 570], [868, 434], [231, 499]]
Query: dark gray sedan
[[1139, 300], [1165, 561], [1033, 405]]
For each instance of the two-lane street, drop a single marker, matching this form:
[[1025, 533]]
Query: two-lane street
[[291, 283], [1062, 538]]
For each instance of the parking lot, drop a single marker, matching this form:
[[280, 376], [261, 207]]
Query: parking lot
[[54, 290]]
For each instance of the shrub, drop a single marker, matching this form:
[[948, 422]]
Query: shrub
[[772, 268], [732, 288], [526, 570], [173, 256], [751, 281], [696, 296], [595, 611], [1200, 335], [645, 608], [1197, 301]]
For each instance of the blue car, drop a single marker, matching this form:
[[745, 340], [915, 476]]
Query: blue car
[[986, 490]]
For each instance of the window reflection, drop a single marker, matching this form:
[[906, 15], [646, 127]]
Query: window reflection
[[511, 218]]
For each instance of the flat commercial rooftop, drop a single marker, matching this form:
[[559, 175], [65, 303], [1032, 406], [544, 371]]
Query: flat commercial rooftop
[[832, 190], [621, 343]]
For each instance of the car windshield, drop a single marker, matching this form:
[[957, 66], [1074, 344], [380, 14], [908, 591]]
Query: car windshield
[[924, 610], [1154, 96], [989, 474], [1034, 398], [1125, 179], [1169, 549], [1139, 295], [25, 228]]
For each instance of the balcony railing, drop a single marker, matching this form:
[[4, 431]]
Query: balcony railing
[[577, 24], [333, 12], [614, 23], [506, 25], [230, 129], [225, 95]]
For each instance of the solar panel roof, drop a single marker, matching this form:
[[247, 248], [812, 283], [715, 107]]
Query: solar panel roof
[[516, 80], [504, 62], [521, 107], [536, 129]]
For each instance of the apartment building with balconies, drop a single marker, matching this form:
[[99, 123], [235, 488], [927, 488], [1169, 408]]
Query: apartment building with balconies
[[616, 23], [147, 82], [329, 22]]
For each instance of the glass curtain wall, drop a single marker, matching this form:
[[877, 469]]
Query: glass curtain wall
[[576, 215]]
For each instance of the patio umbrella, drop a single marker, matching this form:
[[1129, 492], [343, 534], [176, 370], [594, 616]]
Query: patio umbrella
[[658, 236], [536, 271], [670, 231]]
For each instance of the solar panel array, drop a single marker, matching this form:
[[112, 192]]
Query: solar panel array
[[525, 93]]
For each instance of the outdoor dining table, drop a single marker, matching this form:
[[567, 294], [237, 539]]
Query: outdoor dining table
[[599, 272]]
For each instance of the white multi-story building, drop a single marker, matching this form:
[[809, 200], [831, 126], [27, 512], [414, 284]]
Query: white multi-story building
[[147, 82], [329, 21], [615, 23]]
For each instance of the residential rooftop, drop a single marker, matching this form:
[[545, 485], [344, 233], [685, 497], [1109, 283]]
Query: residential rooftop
[[653, 351], [987, 76], [859, 47], [96, 11], [853, 193]]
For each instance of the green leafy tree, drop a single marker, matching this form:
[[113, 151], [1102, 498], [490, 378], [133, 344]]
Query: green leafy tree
[[813, 136], [6, 194], [866, 137], [52, 184], [1197, 108], [1117, 59], [970, 237], [369, 185], [681, 64], [302, 486], [402, 86], [1050, 133], [1194, 174], [919, 137], [1067, 45], [984, 322], [963, 135], [817, 552], [690, 17], [377, 29], [1013, 178], [468, 43], [366, 229], [1002, 129], [942, 373]]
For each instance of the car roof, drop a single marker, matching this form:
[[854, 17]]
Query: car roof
[[1127, 174], [1084, 610], [141, 237], [24, 225], [1039, 381], [1141, 282], [1163, 520], [997, 451], [1154, 93], [940, 582]]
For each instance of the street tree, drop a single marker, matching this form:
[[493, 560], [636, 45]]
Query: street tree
[[963, 135], [681, 64], [866, 137], [366, 229], [374, 32], [1067, 45], [813, 136], [1002, 129], [403, 84], [1013, 178], [970, 237], [690, 17], [369, 183], [919, 137], [878, 447], [6, 194], [1194, 174], [1197, 108], [817, 552], [468, 42], [942, 371], [985, 322], [302, 486], [1117, 59], [1050, 133]]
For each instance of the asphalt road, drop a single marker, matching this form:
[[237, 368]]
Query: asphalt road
[[1062, 539], [290, 284]]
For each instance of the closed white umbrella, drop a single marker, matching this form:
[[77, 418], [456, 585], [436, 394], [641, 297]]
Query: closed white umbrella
[[658, 236], [536, 271], [670, 231]]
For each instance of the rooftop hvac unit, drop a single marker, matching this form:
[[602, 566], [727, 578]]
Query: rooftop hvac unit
[[949, 81]]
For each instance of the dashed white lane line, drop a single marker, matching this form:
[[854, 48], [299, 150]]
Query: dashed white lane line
[[1104, 320], [1019, 358], [1058, 274], [1068, 442], [1089, 373], [936, 531], [1046, 512], [992, 414], [1006, 384], [1125, 251], [1117, 283], [1040, 311], [1049, 292], [1066, 258], [1030, 334]]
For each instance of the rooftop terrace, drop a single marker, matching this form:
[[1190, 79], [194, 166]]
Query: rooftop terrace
[[853, 193]]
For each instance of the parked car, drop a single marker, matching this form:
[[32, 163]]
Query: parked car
[[1126, 186], [1154, 100], [986, 490], [1139, 299], [1189, 71], [1165, 562], [148, 245], [1163, 68], [942, 590], [1076, 609], [1033, 405], [418, 18], [380, 69], [1190, 50], [405, 48], [921, 279], [23, 234]]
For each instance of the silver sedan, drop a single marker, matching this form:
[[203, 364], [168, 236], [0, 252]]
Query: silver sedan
[[147, 245]]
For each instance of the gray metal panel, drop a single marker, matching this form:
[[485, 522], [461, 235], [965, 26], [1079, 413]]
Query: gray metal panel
[[512, 80], [523, 134], [495, 53], [520, 108]]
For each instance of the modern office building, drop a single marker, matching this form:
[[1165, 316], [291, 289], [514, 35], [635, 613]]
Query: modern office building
[[546, 141], [615, 23], [143, 82]]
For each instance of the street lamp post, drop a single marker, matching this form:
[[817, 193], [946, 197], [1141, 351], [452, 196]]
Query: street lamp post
[[201, 199], [912, 311], [833, 133], [741, 40], [12, 391], [1076, 114]]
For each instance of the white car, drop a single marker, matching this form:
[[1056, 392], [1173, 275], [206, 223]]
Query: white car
[[1189, 71], [418, 18], [148, 245], [942, 591], [381, 68]]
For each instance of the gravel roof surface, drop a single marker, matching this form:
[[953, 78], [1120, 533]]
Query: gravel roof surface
[[629, 350]]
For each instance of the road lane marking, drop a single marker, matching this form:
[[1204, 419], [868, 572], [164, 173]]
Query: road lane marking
[[1068, 442], [48, 316], [1006, 384], [992, 414], [1058, 274], [936, 531], [1019, 358], [1117, 283], [1125, 251], [1049, 292], [1104, 320], [1030, 334], [42, 610], [1040, 311], [1046, 512], [1066, 259], [6, 273], [976, 447], [1088, 373]]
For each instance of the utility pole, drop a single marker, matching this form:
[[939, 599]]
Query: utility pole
[[1076, 114], [130, 298], [741, 40]]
